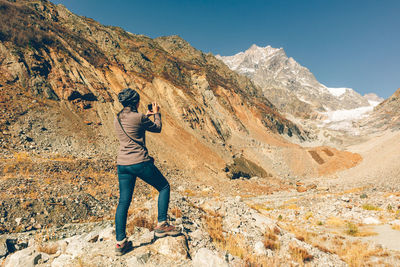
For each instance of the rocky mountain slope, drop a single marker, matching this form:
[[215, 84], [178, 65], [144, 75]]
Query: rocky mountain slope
[[385, 116], [290, 86], [60, 74]]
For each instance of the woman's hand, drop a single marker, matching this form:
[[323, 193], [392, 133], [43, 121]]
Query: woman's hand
[[155, 109]]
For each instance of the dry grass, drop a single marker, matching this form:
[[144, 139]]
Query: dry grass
[[44, 236], [370, 207], [260, 207], [176, 212], [140, 221], [81, 263], [352, 229], [299, 254], [335, 222], [353, 253], [235, 244], [301, 234], [21, 163], [292, 207], [263, 261], [271, 239], [357, 253], [354, 190], [189, 193], [49, 248], [396, 227], [215, 228], [308, 215]]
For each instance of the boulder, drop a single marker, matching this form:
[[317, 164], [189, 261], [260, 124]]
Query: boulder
[[133, 261], [75, 247], [63, 261], [262, 222], [260, 249], [371, 220], [207, 258], [23, 258], [3, 247], [107, 234], [172, 247]]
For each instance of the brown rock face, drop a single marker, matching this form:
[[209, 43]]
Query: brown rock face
[[60, 74]]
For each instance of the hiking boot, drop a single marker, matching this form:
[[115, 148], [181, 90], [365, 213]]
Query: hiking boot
[[122, 248], [166, 229]]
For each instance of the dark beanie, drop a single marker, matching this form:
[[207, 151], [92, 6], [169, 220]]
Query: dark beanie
[[128, 97]]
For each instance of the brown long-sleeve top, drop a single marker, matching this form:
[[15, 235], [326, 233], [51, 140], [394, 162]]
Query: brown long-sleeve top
[[135, 125]]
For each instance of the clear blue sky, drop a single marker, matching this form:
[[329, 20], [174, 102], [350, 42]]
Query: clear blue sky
[[345, 43]]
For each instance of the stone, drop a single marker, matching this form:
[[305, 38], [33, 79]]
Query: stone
[[311, 186], [146, 238], [31, 242], [371, 220], [323, 188], [143, 255], [345, 199], [18, 220], [133, 261], [207, 258], [262, 222], [75, 247], [172, 247], [62, 246], [3, 247], [197, 234], [92, 237], [259, 248], [45, 257], [107, 234], [301, 189], [23, 258], [63, 260], [180, 188]]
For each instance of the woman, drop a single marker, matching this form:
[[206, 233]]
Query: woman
[[134, 161]]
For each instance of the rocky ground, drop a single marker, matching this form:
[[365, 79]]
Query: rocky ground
[[59, 212]]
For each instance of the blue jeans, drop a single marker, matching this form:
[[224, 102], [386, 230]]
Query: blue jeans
[[127, 174]]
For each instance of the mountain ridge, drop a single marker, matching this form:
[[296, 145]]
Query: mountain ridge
[[280, 75]]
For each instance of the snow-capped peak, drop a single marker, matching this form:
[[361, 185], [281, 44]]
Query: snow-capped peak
[[337, 91], [255, 55]]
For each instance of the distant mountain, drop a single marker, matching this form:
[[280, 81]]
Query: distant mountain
[[373, 98], [290, 86], [386, 115]]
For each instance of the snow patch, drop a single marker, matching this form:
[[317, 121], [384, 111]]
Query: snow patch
[[247, 70], [373, 103], [347, 114], [337, 91]]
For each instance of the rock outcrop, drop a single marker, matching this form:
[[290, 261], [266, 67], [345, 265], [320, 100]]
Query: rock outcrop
[[385, 116]]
